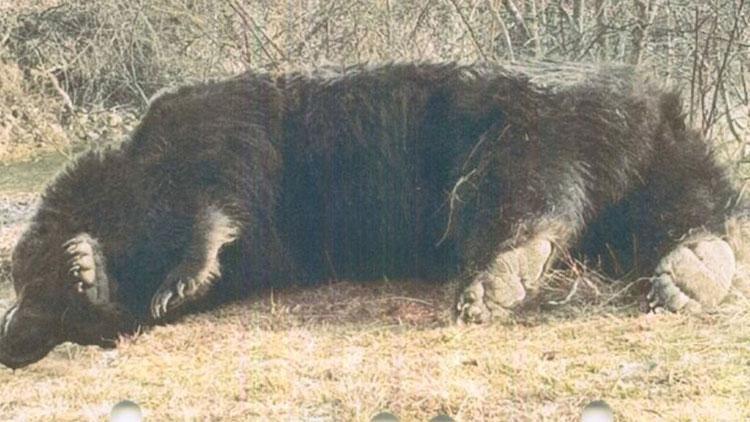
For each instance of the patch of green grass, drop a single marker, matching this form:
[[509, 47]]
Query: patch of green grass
[[30, 175]]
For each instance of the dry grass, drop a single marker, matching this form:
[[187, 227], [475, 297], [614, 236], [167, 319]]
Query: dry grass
[[33, 122], [344, 351], [27, 121]]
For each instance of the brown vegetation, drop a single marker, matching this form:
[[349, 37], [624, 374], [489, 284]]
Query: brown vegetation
[[83, 58], [345, 351]]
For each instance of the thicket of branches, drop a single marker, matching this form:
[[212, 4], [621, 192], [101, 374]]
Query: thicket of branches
[[118, 52]]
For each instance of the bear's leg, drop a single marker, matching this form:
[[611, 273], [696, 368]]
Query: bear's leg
[[545, 215], [690, 201], [505, 282], [199, 268]]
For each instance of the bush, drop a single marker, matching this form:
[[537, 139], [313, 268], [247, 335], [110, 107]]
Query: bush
[[101, 55], [27, 118]]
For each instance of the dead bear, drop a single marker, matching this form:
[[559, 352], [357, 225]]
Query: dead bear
[[483, 172]]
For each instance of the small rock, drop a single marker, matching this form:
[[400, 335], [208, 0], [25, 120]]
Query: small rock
[[597, 411], [384, 417], [126, 411]]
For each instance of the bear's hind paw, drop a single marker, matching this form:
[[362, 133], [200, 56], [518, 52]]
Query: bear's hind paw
[[696, 275]]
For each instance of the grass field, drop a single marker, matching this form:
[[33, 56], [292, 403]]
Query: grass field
[[344, 351]]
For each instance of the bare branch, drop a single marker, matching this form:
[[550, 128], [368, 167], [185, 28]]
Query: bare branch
[[453, 199], [64, 95], [646, 14], [727, 54], [728, 113], [506, 35], [517, 17], [579, 15], [698, 23], [469, 28], [255, 30]]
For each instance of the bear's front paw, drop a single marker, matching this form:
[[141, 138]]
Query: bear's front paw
[[696, 275], [180, 287], [86, 268]]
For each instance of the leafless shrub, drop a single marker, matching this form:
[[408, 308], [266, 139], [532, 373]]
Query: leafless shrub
[[118, 53]]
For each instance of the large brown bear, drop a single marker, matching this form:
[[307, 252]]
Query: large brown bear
[[483, 172]]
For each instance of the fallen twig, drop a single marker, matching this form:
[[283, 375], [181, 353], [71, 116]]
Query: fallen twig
[[453, 198]]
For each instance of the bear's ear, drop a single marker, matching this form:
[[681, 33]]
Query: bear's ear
[[85, 267]]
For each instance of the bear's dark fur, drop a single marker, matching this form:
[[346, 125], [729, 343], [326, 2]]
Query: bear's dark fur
[[401, 170]]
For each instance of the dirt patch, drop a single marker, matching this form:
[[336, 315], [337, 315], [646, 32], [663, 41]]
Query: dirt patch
[[15, 210]]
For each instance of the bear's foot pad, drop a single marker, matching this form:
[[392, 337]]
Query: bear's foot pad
[[494, 291], [695, 276]]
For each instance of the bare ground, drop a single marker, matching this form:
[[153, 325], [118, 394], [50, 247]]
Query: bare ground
[[344, 351]]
